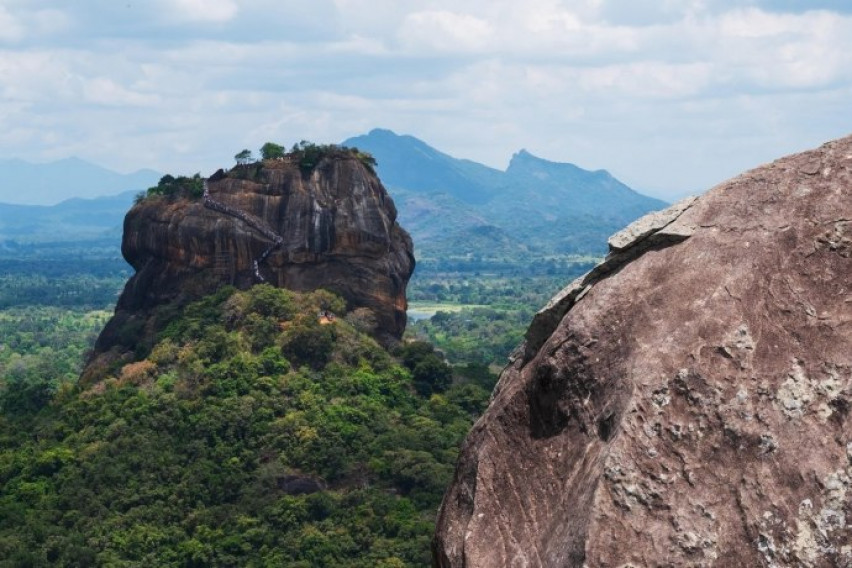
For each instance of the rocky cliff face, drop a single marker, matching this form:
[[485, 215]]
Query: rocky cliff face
[[687, 403], [333, 227]]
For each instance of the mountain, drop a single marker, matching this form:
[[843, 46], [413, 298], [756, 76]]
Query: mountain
[[688, 401], [457, 211], [72, 219], [558, 189], [406, 162], [25, 183], [535, 206]]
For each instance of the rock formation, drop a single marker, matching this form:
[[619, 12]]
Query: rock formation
[[686, 403], [332, 227]]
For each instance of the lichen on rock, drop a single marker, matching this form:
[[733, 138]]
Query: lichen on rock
[[686, 403]]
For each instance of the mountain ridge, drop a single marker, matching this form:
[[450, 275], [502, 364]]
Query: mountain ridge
[[534, 206], [553, 207], [74, 218], [50, 183]]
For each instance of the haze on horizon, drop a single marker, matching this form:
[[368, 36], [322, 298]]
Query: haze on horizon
[[670, 96]]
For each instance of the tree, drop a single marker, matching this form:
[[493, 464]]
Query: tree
[[243, 157], [271, 150], [431, 375]]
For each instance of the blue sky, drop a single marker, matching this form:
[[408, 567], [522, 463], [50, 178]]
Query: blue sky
[[671, 96]]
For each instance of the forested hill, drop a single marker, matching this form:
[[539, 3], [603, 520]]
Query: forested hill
[[259, 431], [94, 220], [53, 182]]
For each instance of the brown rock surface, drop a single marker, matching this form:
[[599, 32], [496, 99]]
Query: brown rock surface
[[688, 405], [337, 228]]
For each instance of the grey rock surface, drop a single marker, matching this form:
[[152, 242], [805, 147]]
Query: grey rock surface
[[686, 405]]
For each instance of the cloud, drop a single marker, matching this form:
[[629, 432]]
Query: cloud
[[668, 94], [445, 31], [102, 90], [11, 28], [206, 10], [781, 51]]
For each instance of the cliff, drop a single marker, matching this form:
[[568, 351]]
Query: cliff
[[686, 403], [332, 226]]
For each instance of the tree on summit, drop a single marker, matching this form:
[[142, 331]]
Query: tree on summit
[[271, 150], [243, 157]]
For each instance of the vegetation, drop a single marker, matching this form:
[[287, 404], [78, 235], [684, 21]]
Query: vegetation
[[78, 284], [42, 348], [307, 154], [243, 157], [271, 151], [249, 433], [173, 188], [252, 435], [480, 318]]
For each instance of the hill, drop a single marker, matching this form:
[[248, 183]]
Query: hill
[[253, 434], [25, 183], [313, 218], [75, 219]]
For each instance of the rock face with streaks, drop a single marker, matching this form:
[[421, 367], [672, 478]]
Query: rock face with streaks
[[688, 402], [332, 227]]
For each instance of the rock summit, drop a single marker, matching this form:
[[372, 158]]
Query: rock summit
[[332, 226]]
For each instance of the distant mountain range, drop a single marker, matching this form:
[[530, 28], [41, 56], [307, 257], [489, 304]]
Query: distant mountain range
[[53, 182], [74, 219], [454, 208], [535, 206]]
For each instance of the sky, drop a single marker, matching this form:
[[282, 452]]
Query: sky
[[670, 96]]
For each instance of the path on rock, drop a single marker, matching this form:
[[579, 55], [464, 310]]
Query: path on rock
[[251, 221]]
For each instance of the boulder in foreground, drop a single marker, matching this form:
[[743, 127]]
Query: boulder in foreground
[[688, 402]]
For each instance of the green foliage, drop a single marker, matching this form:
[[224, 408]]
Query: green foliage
[[308, 155], [41, 349], [309, 342], [428, 370], [431, 375], [243, 157], [486, 315], [271, 151], [180, 187], [70, 283], [230, 445]]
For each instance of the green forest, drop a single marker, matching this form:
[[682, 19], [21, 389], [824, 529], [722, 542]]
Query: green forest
[[251, 435]]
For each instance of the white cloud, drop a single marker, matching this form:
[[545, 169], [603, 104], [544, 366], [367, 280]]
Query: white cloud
[[445, 31], [50, 21], [102, 90], [667, 94], [206, 10], [11, 29], [782, 51], [651, 79]]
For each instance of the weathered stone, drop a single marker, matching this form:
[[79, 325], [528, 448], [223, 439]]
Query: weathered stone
[[656, 230], [334, 228], [687, 405], [650, 224]]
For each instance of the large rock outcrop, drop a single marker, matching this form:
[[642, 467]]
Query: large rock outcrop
[[332, 227], [685, 404]]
